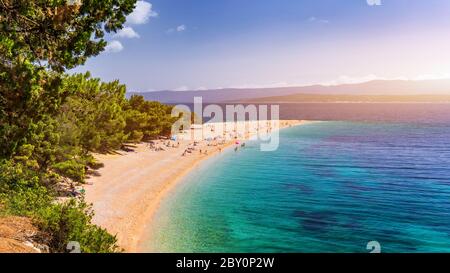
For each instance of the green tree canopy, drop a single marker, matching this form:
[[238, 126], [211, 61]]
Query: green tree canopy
[[39, 39], [50, 122], [58, 33]]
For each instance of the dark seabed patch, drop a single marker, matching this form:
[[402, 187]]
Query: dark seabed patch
[[318, 221]]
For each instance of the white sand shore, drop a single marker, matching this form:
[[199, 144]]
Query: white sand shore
[[130, 187]]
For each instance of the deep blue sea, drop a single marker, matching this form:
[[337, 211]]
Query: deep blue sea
[[330, 187]]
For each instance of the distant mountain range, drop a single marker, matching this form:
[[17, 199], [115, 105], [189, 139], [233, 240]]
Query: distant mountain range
[[308, 98], [373, 91]]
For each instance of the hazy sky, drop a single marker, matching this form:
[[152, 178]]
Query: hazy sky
[[198, 44]]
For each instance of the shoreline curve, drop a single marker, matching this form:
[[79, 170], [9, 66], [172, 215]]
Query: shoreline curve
[[128, 190]]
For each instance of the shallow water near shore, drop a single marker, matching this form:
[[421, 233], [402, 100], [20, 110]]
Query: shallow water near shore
[[330, 187]]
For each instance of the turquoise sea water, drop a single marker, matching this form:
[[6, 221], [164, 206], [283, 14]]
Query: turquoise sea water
[[330, 187]]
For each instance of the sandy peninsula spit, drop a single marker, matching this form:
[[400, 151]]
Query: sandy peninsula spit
[[127, 191]]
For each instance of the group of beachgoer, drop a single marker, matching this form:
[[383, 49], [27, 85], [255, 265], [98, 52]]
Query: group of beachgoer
[[191, 148], [203, 151], [217, 138], [215, 143], [155, 146], [238, 144], [171, 144]]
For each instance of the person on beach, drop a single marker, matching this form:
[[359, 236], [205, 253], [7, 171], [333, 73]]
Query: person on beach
[[73, 190]]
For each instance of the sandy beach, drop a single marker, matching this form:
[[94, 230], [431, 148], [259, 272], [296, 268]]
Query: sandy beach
[[127, 191]]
